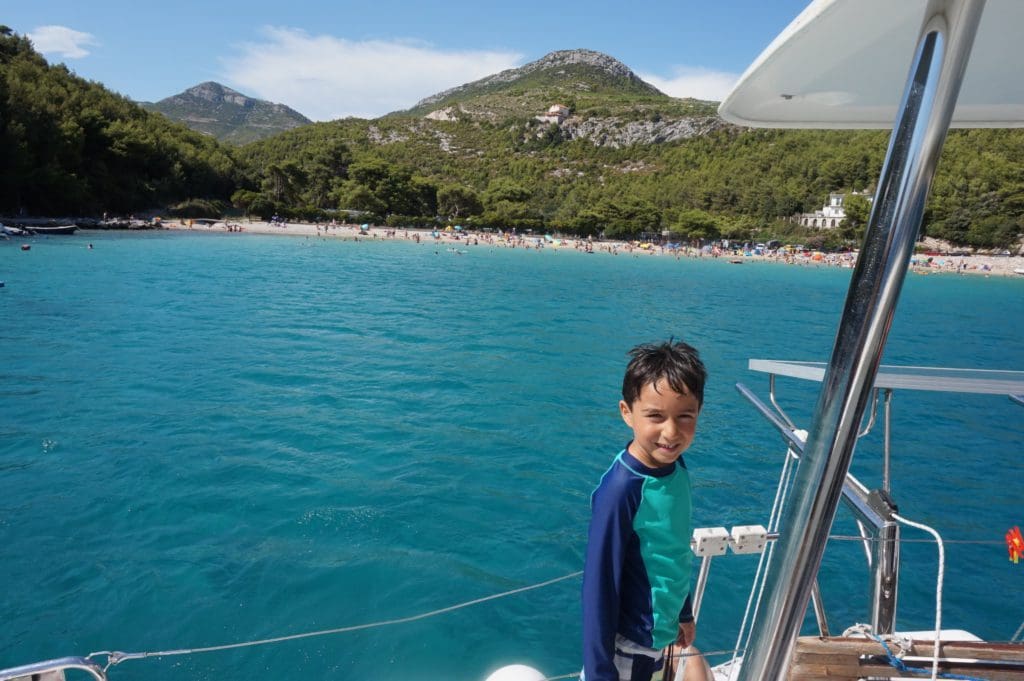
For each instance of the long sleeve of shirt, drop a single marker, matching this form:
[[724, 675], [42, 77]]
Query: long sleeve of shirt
[[611, 527]]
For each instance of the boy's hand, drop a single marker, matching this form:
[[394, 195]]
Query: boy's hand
[[687, 632]]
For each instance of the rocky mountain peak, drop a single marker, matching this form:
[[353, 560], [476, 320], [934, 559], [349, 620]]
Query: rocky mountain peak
[[552, 62], [217, 93], [587, 57], [226, 114]]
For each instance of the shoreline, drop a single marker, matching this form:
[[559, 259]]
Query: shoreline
[[975, 265]]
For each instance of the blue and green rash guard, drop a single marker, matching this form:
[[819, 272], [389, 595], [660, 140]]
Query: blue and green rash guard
[[636, 580]]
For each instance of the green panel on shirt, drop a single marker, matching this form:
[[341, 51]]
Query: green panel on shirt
[[663, 524]]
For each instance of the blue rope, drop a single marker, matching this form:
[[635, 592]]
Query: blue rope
[[902, 666]]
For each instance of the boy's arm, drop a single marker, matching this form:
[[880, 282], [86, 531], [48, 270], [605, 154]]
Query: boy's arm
[[687, 626], [611, 525], [686, 614]]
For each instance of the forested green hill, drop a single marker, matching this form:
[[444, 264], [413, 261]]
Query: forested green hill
[[71, 146], [627, 160], [619, 158]]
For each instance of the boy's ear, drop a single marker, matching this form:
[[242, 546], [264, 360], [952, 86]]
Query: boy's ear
[[627, 413]]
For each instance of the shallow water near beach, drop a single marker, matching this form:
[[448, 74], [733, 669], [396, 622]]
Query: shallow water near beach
[[209, 439]]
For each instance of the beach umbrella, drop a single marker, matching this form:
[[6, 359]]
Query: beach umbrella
[[458, 228]]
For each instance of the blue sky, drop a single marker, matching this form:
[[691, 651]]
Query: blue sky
[[334, 59]]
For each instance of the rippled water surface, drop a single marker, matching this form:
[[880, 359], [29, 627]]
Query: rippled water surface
[[214, 438]]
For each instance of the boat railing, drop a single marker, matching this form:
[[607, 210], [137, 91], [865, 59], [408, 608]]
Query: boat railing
[[874, 509], [53, 670]]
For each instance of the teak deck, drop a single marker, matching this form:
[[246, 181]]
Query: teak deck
[[849, 659]]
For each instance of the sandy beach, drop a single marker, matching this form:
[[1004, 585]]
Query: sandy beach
[[931, 261]]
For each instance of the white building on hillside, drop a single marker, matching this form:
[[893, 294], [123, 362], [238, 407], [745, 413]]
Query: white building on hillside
[[556, 113], [830, 216]]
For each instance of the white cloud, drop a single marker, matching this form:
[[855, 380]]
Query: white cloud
[[325, 77], [696, 82], [62, 41]]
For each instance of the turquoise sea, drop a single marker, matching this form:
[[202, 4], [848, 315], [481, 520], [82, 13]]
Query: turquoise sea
[[207, 439]]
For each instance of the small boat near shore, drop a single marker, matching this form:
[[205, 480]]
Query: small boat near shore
[[27, 229], [8, 231], [54, 230]]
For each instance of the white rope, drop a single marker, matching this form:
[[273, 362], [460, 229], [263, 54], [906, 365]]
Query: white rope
[[938, 589]]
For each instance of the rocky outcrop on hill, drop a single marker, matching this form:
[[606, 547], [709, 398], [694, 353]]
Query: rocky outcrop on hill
[[615, 133]]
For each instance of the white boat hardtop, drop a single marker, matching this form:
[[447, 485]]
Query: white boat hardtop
[[843, 64], [974, 381]]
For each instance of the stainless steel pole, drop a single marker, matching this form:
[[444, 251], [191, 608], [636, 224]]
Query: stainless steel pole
[[947, 35], [698, 591], [819, 610], [885, 578]]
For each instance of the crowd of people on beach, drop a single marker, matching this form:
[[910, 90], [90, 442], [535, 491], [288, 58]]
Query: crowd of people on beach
[[925, 263]]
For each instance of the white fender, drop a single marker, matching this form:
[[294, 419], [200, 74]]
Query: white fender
[[516, 672]]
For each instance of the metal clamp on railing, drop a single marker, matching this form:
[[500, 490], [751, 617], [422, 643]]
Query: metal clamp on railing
[[748, 539]]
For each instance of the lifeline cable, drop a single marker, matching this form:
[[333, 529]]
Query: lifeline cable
[[923, 540], [766, 555], [116, 657]]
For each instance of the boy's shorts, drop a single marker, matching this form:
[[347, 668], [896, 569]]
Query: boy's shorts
[[635, 662]]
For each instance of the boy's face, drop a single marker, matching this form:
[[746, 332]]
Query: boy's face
[[663, 423]]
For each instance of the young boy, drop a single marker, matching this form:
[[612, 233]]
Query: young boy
[[636, 580]]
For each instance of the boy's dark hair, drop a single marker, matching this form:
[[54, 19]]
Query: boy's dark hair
[[676, 362]]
